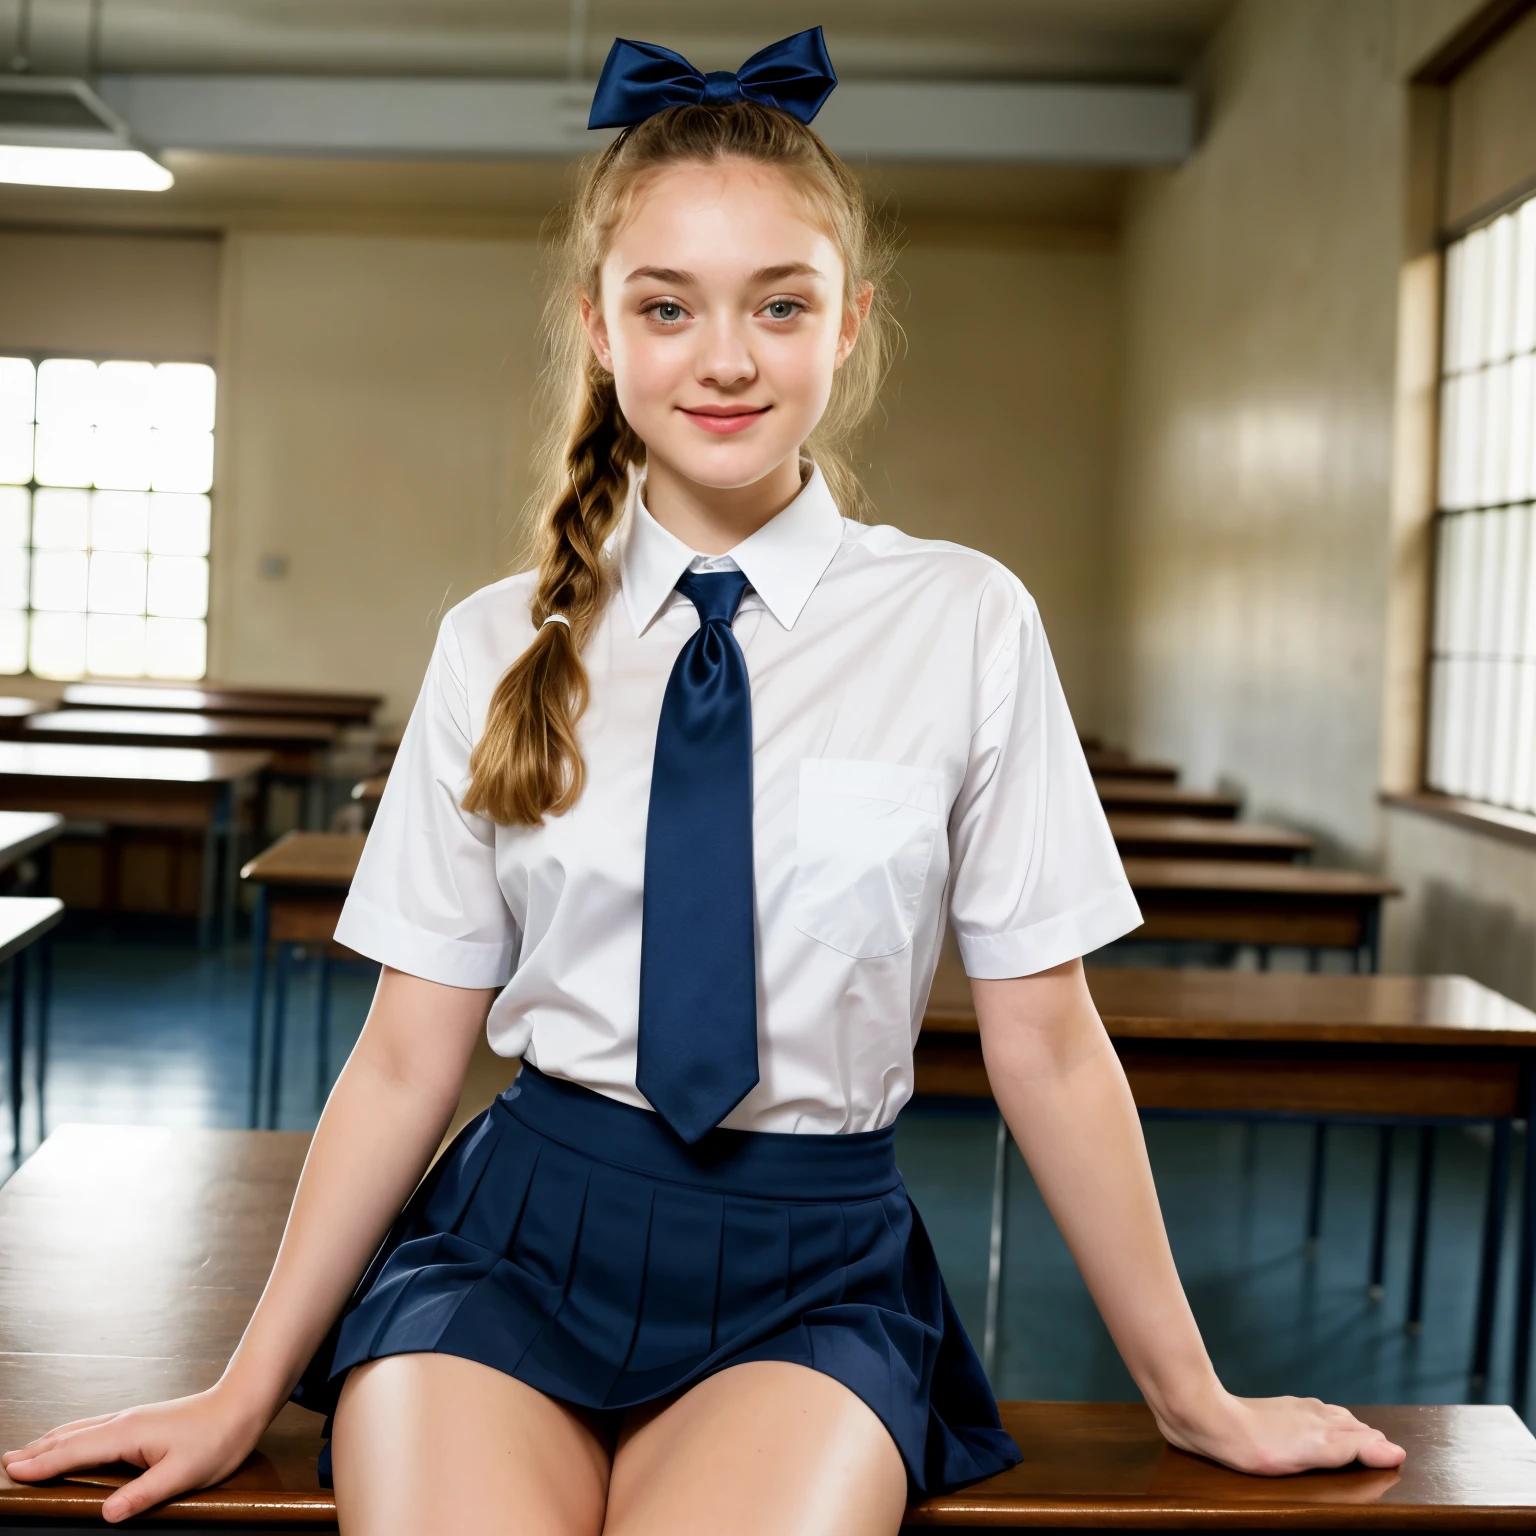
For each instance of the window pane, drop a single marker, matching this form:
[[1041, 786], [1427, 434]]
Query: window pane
[[183, 461], [1522, 384], [1501, 287], [14, 571], [65, 455], [1471, 324], [13, 642], [15, 516], [66, 393], [59, 519], [117, 583], [178, 525], [15, 452], [178, 586], [1495, 454], [18, 389], [114, 645], [177, 648], [184, 396], [119, 520], [125, 395], [1525, 281], [58, 644], [123, 458], [59, 581], [1469, 458]]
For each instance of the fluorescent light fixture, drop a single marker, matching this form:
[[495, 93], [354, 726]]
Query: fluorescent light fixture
[[57, 132], [118, 170]]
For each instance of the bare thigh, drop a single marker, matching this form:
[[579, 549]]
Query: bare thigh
[[763, 1449], [434, 1445]]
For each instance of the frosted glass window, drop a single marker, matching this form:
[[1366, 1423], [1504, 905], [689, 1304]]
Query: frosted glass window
[[106, 466], [1482, 707]]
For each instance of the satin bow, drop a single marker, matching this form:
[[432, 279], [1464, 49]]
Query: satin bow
[[640, 79]]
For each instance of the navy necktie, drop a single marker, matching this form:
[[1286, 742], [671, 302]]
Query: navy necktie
[[697, 1056]]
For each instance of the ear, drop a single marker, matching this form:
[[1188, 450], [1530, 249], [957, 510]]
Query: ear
[[854, 316], [596, 327]]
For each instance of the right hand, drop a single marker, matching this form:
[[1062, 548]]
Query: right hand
[[185, 1443]]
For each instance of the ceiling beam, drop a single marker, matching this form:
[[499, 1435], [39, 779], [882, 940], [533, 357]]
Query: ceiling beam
[[425, 118]]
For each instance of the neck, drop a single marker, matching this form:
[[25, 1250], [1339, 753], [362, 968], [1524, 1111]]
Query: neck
[[711, 520]]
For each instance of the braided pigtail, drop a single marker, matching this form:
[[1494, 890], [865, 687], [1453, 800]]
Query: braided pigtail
[[527, 762]]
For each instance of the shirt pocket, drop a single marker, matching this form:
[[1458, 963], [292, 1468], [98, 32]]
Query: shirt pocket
[[863, 842]]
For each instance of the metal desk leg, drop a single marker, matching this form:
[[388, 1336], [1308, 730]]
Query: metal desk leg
[[323, 1031], [1315, 1185], [989, 1338], [231, 869], [1374, 1286], [18, 1042], [1521, 1376], [281, 960], [208, 886], [1421, 1200], [1493, 1246], [258, 999]]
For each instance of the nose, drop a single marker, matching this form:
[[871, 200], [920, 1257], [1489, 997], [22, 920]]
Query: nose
[[724, 358]]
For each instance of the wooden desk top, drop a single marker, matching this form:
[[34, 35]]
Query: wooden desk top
[[1253, 877], [370, 791], [23, 921], [129, 765], [167, 727], [1152, 836], [1117, 794], [15, 707], [308, 858], [179, 1228], [24, 832], [1117, 765], [1275, 1006], [224, 699]]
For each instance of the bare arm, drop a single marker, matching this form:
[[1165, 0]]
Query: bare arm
[[384, 1119], [1064, 1095]]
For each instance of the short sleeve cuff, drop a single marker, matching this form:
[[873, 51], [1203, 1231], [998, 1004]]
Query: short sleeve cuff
[[382, 936], [1024, 951]]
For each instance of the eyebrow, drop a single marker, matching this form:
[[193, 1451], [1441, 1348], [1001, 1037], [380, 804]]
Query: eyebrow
[[762, 275]]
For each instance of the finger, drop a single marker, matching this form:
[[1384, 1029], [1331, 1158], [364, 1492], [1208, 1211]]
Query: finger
[[158, 1483], [52, 1437], [94, 1447], [1378, 1451]]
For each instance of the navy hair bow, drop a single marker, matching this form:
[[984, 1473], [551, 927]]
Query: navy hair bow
[[640, 79]]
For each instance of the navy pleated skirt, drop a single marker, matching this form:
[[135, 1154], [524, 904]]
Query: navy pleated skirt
[[575, 1243]]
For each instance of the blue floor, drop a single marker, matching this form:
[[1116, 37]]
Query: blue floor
[[158, 1033]]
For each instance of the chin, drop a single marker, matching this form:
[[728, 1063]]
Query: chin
[[727, 465]]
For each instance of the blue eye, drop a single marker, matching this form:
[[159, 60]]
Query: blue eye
[[668, 312], [782, 309]]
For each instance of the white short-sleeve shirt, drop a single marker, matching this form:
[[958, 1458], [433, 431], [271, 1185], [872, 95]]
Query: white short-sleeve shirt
[[913, 760]]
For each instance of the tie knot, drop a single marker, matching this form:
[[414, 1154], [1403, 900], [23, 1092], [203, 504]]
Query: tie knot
[[716, 594]]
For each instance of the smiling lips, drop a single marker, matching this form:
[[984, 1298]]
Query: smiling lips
[[723, 419]]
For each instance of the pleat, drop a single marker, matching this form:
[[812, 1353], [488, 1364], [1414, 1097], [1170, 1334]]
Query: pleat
[[493, 1216], [682, 1266], [754, 1267], [454, 1178]]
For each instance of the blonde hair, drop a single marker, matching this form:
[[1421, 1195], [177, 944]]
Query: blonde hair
[[527, 761]]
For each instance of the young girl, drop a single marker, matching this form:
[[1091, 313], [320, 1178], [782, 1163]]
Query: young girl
[[680, 817]]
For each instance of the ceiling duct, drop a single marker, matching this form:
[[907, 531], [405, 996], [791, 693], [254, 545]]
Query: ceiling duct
[[56, 131]]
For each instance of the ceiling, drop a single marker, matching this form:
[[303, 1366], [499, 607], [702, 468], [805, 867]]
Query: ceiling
[[1105, 40]]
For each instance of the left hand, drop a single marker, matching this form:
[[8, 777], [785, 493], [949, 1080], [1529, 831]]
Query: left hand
[[1274, 1436]]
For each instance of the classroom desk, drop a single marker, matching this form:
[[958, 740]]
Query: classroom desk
[[1154, 797], [1140, 836], [1430, 1049], [180, 1228], [301, 881], [23, 921], [368, 792], [1110, 762], [137, 786], [295, 742], [225, 699], [16, 710], [1260, 902]]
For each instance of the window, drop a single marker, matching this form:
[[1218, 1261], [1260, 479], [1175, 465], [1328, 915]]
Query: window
[[1482, 724], [105, 470]]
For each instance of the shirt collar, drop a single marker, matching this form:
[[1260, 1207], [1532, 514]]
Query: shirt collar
[[783, 560]]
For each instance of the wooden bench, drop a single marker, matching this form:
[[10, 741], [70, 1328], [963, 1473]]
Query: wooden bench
[[1140, 835], [1155, 797], [175, 788], [1424, 1049], [179, 1229]]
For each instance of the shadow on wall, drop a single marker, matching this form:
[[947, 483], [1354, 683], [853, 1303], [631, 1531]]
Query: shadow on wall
[[1490, 943]]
